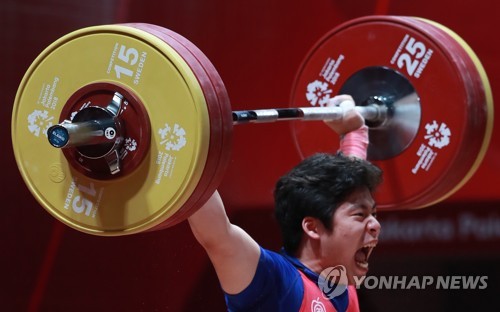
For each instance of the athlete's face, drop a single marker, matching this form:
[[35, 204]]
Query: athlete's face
[[354, 235]]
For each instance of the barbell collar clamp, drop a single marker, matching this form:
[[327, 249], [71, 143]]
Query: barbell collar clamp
[[89, 132], [92, 132]]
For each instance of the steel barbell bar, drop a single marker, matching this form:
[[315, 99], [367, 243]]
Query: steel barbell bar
[[373, 112], [93, 132]]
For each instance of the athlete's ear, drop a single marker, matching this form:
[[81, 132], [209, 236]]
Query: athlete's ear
[[311, 227]]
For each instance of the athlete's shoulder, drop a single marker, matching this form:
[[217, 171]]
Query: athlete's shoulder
[[276, 286]]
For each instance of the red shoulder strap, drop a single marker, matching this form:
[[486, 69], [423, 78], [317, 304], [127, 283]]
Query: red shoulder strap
[[353, 299], [314, 301]]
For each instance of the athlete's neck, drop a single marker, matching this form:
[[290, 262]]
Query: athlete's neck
[[309, 255]]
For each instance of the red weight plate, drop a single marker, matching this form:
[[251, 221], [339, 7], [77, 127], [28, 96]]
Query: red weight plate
[[479, 126], [452, 126], [219, 114], [225, 118]]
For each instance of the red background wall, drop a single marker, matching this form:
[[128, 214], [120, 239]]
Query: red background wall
[[256, 46]]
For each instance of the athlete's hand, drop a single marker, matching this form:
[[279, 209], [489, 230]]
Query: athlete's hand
[[351, 120]]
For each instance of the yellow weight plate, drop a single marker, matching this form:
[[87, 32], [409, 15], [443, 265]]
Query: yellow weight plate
[[164, 83]]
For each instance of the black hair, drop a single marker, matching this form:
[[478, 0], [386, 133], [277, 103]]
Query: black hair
[[315, 188]]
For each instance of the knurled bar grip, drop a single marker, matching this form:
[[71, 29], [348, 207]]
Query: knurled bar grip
[[372, 112]]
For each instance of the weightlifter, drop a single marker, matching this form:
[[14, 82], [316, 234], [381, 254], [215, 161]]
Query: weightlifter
[[327, 216]]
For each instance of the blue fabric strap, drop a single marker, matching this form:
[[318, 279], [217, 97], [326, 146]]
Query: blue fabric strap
[[340, 302]]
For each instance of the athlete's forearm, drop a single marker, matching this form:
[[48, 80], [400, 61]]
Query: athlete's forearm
[[232, 251]]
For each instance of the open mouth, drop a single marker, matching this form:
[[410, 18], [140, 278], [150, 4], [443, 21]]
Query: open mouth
[[363, 254]]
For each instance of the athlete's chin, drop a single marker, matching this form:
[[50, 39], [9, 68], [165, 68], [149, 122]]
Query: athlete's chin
[[357, 274]]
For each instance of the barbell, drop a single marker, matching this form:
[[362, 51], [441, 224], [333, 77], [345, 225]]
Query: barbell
[[120, 129]]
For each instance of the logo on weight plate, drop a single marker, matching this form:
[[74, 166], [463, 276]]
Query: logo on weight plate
[[438, 135], [130, 144], [39, 122], [318, 93], [173, 138]]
